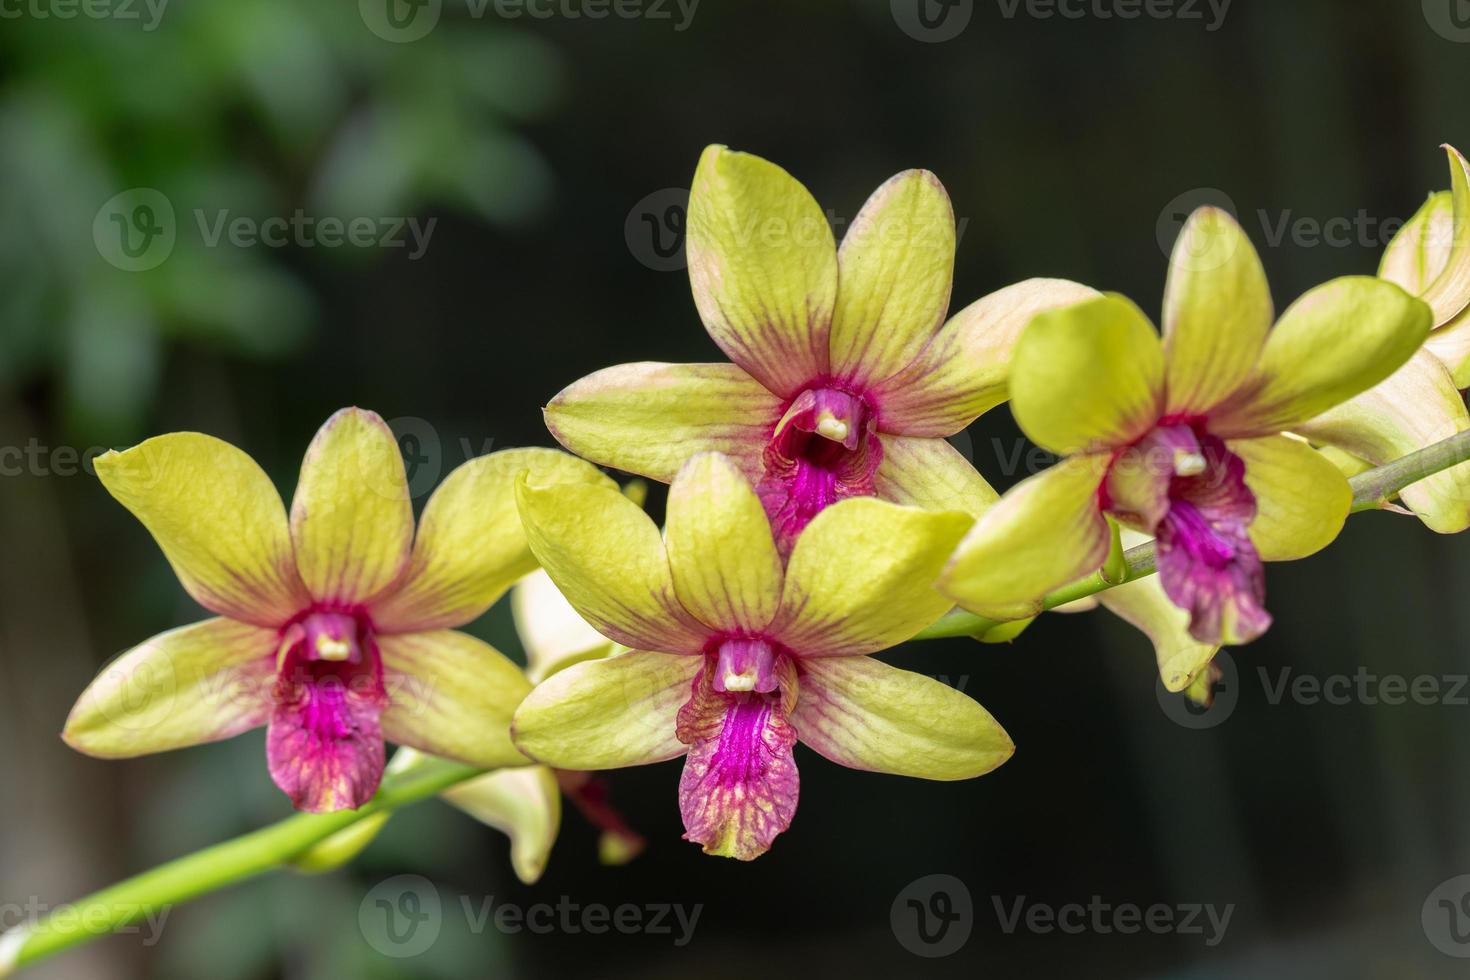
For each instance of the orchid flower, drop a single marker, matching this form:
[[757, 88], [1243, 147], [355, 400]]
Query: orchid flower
[[735, 657], [1182, 440], [334, 629], [844, 382], [1420, 404], [524, 803]]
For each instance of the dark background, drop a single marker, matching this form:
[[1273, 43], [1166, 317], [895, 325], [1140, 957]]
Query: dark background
[[1065, 145]]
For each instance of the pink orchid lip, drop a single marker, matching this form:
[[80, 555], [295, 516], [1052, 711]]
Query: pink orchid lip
[[739, 788], [325, 745], [1190, 492]]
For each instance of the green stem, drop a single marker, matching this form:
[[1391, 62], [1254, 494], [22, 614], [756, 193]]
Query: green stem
[[1374, 488], [214, 867], [1371, 490], [1139, 563]]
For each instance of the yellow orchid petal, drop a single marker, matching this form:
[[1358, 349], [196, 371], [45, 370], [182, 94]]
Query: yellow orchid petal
[[553, 634], [607, 558], [1302, 500], [218, 519], [470, 545], [524, 804], [1417, 406], [1444, 251], [607, 714], [861, 577], [864, 714], [1043, 533], [1143, 604], [763, 267], [1451, 344], [930, 473], [894, 272], [351, 518], [1217, 310], [1087, 376], [726, 569], [1337, 340], [962, 372], [191, 685], [648, 418], [451, 695]]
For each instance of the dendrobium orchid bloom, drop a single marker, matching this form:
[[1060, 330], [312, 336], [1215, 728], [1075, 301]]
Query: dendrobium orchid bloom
[[524, 803], [334, 629], [1182, 440], [734, 658], [844, 382], [1420, 403]]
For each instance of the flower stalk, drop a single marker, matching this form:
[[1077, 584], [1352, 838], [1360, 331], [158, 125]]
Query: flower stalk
[[213, 868], [1376, 487]]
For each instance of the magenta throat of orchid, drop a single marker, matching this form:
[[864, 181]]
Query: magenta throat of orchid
[[743, 664], [1191, 494], [824, 449], [325, 744]]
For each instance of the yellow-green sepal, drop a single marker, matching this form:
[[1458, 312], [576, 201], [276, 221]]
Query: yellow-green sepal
[[1430, 255]]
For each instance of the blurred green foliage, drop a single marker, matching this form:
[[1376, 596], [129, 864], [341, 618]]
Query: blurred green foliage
[[258, 108]]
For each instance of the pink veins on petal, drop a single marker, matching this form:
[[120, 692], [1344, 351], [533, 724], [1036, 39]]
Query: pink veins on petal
[[325, 745]]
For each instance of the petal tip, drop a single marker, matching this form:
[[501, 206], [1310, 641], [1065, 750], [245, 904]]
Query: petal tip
[[107, 462]]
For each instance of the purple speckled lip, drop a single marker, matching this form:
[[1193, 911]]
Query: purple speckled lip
[[824, 449], [740, 785], [1201, 510], [325, 745]]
